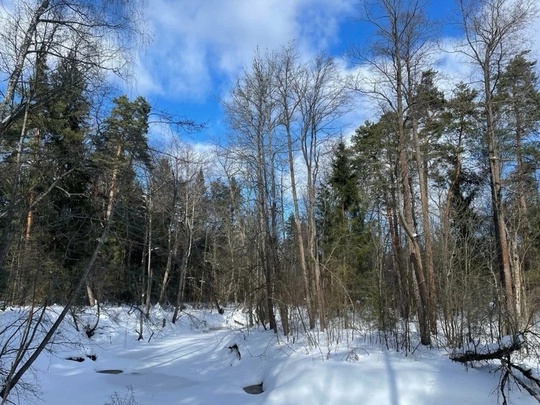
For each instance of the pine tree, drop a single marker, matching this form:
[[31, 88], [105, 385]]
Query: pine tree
[[119, 147]]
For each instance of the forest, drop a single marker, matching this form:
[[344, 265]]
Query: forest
[[423, 225]]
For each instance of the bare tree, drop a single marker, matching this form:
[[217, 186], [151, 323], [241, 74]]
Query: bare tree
[[172, 182], [323, 100], [288, 74], [189, 169], [95, 34], [253, 114]]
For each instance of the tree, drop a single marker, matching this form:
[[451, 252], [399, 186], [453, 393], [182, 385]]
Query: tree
[[123, 141], [118, 147], [227, 241], [457, 173], [288, 77], [375, 153], [94, 34], [50, 50], [190, 216], [493, 31], [48, 177], [253, 114], [397, 59], [167, 171], [323, 99], [425, 103], [518, 108], [343, 232]]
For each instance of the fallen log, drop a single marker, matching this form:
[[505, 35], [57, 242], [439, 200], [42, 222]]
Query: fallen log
[[491, 352], [502, 351]]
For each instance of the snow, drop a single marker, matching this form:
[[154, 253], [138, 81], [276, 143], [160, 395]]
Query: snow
[[191, 363], [505, 343]]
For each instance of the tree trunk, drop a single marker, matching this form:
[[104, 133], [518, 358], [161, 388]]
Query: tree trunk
[[188, 246], [299, 233], [407, 217], [92, 300], [426, 226], [504, 260], [172, 253], [8, 232], [149, 271]]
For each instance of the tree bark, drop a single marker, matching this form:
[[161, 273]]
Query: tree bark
[[426, 227], [149, 271], [285, 77]]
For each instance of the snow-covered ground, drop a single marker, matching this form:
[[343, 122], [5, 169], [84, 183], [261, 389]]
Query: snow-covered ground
[[191, 363]]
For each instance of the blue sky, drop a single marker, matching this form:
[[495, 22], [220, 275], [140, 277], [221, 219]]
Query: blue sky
[[198, 47]]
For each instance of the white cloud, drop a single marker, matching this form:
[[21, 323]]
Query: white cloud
[[532, 41], [199, 46], [197, 43]]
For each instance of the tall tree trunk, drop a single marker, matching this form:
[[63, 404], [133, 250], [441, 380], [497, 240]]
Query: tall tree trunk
[[413, 247], [172, 253], [268, 268], [32, 196], [310, 154], [521, 263], [426, 226], [173, 234], [7, 234], [288, 78], [299, 233], [397, 257], [149, 271], [92, 300], [314, 255], [189, 218], [407, 215], [504, 260]]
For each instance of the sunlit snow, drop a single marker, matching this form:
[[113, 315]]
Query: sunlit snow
[[191, 363]]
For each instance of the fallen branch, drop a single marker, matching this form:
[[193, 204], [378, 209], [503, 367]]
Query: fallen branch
[[535, 382], [501, 351]]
